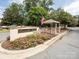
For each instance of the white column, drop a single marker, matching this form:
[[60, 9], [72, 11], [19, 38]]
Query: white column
[[51, 29], [56, 28], [66, 26], [59, 28]]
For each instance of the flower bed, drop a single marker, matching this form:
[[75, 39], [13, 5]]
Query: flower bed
[[27, 42]]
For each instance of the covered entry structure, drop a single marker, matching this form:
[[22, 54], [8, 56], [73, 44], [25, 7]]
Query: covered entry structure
[[51, 22]]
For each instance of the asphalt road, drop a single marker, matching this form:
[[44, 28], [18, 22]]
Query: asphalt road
[[66, 48], [3, 36]]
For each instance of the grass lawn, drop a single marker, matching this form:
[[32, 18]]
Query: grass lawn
[[4, 30]]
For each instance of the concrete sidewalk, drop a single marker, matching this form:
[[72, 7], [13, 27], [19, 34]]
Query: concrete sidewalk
[[4, 35]]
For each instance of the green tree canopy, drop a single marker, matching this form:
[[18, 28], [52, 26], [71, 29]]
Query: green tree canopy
[[35, 3], [31, 12], [35, 14], [13, 15], [63, 17]]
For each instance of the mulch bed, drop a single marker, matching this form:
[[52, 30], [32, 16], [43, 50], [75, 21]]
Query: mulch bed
[[26, 42]]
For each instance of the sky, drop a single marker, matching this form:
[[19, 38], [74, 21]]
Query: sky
[[71, 6]]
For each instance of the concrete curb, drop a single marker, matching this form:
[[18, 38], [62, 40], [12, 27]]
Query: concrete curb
[[32, 51]]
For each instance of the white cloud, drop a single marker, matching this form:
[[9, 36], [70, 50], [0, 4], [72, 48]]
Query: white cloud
[[16, 1], [1, 11], [73, 8]]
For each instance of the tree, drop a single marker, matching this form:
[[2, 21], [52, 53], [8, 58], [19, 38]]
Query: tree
[[31, 12], [35, 14], [63, 17], [46, 4], [13, 15], [35, 3], [30, 3], [35, 9], [18, 14]]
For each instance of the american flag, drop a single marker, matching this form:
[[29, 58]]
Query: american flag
[[42, 20]]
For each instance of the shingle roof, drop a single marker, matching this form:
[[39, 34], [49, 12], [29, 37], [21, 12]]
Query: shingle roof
[[50, 21]]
